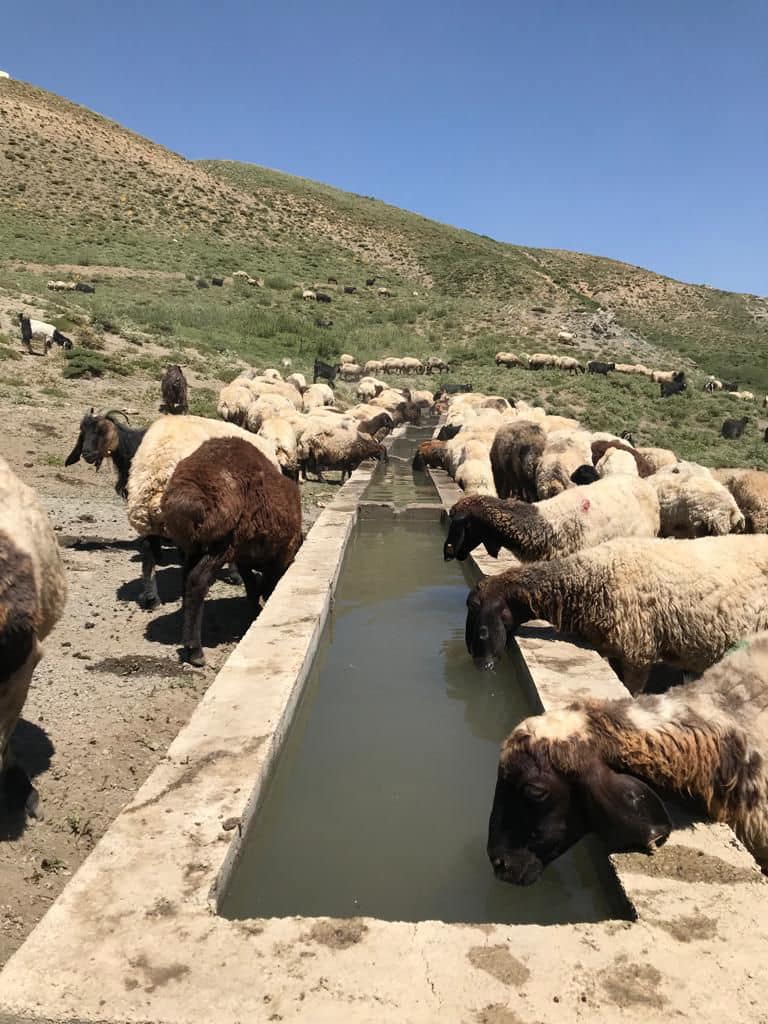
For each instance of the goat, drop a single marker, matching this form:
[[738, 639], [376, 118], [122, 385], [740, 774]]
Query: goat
[[733, 429], [325, 371], [595, 366], [227, 503], [103, 436]]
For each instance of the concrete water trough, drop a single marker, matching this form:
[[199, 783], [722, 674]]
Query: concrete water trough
[[140, 933]]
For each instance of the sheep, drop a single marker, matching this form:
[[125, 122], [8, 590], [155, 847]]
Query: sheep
[[549, 424], [384, 292], [563, 453], [744, 396], [658, 457], [166, 442], [430, 455], [345, 357], [234, 402], [298, 381], [749, 488], [644, 467], [541, 361], [475, 476], [336, 450], [279, 432], [629, 368], [374, 366], [566, 337], [637, 601], [226, 503], [317, 396], [272, 374], [435, 364], [603, 765], [596, 366], [377, 426], [392, 365], [369, 387], [350, 371], [571, 521], [515, 453], [712, 384], [173, 388], [33, 592], [217, 282], [695, 506], [733, 429], [309, 295], [349, 289], [103, 436], [412, 365], [569, 363], [424, 399]]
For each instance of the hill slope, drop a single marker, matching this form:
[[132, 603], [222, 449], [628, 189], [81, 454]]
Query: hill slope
[[81, 195]]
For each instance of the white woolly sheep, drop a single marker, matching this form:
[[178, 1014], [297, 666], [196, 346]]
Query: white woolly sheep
[[508, 359], [749, 488], [695, 506], [475, 476], [33, 592], [658, 457], [636, 601], [279, 432], [616, 462], [298, 381], [316, 396], [564, 452]]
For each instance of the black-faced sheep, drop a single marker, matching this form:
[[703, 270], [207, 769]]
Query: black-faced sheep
[[515, 454], [173, 388], [637, 602], [227, 503], [672, 387], [377, 426], [571, 521], [33, 592], [604, 766]]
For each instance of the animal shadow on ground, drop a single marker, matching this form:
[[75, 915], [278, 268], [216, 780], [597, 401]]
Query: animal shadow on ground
[[33, 749], [225, 620]]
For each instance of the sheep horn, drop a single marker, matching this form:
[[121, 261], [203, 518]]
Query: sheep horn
[[116, 412]]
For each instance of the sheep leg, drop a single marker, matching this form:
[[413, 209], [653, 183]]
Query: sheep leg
[[17, 786], [252, 583], [151, 553], [634, 677], [233, 575], [199, 573]]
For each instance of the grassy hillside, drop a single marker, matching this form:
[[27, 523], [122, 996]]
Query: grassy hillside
[[81, 196]]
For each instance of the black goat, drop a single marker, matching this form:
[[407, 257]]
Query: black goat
[[625, 435], [595, 366], [730, 385], [218, 281], [325, 371], [672, 387], [83, 286], [322, 297], [733, 429], [173, 387], [323, 321], [105, 437], [452, 389], [349, 289], [370, 280]]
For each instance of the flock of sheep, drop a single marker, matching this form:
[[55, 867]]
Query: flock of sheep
[[648, 559], [644, 556]]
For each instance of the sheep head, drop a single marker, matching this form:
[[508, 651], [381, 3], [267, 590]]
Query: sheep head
[[553, 787]]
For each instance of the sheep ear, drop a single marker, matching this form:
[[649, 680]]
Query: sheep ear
[[77, 451], [623, 810]]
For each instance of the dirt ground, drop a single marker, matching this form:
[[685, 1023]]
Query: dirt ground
[[110, 693]]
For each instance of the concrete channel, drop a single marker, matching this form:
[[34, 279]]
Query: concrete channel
[[138, 933]]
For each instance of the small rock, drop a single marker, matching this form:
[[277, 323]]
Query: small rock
[[230, 823], [90, 625]]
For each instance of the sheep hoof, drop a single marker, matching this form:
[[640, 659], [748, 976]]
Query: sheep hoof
[[233, 577], [33, 805], [194, 656], [149, 604]]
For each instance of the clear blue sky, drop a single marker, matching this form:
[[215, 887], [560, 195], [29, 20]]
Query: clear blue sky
[[632, 130]]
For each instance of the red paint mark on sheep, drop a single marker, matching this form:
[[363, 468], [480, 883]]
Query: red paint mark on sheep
[[585, 505]]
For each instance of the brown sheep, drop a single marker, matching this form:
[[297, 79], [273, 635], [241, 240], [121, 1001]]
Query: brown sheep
[[749, 488], [515, 454], [227, 503], [430, 455], [173, 387], [599, 448]]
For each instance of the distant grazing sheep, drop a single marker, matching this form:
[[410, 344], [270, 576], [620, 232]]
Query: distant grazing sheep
[[309, 294], [565, 337], [541, 361], [733, 429], [227, 503], [349, 289], [570, 364], [33, 592], [606, 766], [508, 359], [383, 292], [322, 297], [744, 396], [436, 365]]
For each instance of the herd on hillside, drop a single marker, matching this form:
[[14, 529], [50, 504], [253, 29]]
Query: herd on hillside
[[646, 557]]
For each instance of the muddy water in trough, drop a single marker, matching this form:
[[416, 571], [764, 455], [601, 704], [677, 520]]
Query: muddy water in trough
[[378, 805]]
